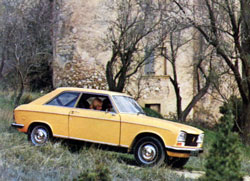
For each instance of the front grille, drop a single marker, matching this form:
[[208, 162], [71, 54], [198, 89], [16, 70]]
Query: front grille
[[191, 140]]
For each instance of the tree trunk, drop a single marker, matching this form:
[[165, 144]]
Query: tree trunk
[[4, 57], [179, 104], [113, 85], [195, 99], [178, 98], [21, 90], [245, 119], [1, 69], [109, 76]]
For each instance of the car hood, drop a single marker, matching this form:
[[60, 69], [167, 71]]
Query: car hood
[[163, 124]]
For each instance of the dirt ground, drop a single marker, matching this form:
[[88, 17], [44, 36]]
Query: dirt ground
[[198, 174]]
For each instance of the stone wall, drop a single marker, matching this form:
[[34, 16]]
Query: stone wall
[[80, 57], [79, 53]]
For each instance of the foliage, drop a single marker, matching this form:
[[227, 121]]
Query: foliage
[[26, 48], [40, 75], [235, 104], [40, 23], [28, 97], [225, 27], [101, 173], [224, 159], [152, 113]]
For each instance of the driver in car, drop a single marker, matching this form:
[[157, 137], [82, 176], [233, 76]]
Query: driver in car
[[96, 104]]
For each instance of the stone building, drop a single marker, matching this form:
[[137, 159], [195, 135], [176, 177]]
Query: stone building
[[80, 56]]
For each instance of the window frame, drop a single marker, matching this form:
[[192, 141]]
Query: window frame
[[100, 95], [149, 67], [47, 103], [127, 112], [116, 111]]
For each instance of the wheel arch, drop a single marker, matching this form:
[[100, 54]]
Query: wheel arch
[[145, 134], [33, 124]]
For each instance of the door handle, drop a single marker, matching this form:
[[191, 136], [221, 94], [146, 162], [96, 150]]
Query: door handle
[[72, 112]]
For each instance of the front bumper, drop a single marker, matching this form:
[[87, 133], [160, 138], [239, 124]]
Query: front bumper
[[15, 125], [191, 151]]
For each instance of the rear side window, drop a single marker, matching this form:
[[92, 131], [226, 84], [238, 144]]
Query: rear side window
[[67, 99]]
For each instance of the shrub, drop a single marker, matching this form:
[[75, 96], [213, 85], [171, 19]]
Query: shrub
[[29, 97], [235, 105], [152, 113], [26, 98], [224, 162]]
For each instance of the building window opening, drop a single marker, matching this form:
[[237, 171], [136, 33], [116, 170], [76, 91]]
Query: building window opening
[[149, 62], [155, 107]]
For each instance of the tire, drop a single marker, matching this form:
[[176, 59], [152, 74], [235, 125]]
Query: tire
[[149, 151], [175, 162], [39, 135]]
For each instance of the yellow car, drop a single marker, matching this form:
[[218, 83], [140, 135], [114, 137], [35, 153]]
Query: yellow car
[[110, 118]]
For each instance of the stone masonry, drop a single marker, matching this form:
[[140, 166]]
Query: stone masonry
[[80, 57]]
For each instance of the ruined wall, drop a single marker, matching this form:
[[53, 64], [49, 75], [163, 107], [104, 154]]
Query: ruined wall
[[79, 50], [80, 56]]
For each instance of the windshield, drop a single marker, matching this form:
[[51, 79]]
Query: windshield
[[127, 105]]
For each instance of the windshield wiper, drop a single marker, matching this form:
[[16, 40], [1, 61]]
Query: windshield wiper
[[140, 112]]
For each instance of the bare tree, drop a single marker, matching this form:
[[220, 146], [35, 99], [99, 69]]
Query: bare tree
[[136, 82], [138, 25], [225, 26], [27, 49], [203, 71]]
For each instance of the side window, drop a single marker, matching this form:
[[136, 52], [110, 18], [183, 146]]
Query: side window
[[107, 105], [67, 99], [95, 102]]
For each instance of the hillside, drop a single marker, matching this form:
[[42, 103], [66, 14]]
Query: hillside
[[67, 160]]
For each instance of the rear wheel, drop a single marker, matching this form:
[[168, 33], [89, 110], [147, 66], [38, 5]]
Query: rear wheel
[[39, 135], [149, 151]]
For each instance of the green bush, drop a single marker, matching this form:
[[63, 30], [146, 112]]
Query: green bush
[[29, 97], [152, 113], [26, 98], [235, 105], [224, 159]]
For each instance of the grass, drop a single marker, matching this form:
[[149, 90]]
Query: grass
[[19, 160], [59, 160]]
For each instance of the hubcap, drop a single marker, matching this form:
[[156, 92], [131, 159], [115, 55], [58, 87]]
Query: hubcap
[[40, 136], [148, 153]]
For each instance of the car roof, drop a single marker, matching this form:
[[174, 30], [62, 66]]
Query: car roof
[[52, 94], [62, 89]]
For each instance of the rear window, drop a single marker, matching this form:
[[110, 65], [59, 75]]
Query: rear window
[[66, 99]]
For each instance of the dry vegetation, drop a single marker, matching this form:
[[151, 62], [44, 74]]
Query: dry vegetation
[[19, 160], [63, 160]]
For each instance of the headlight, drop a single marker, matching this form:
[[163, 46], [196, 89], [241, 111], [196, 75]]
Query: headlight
[[200, 138], [182, 136]]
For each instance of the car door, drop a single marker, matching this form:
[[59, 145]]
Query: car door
[[56, 112], [97, 126]]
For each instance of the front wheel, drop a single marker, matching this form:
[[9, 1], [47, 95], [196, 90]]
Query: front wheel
[[149, 151], [39, 135]]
